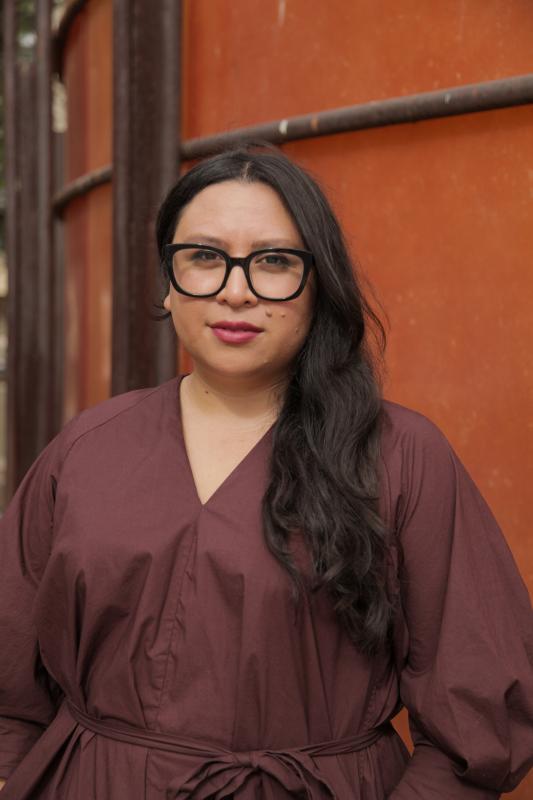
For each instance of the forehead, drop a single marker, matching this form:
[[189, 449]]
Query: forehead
[[235, 207]]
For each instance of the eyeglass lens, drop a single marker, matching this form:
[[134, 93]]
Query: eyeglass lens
[[273, 275]]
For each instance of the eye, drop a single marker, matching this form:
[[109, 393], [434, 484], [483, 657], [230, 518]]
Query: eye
[[203, 257], [274, 259]]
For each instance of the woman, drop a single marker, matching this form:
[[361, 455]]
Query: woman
[[228, 585]]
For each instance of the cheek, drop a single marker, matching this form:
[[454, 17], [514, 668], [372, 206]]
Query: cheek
[[291, 325], [301, 315], [187, 320]]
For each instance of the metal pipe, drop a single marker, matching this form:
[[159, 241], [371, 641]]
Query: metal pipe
[[61, 32], [10, 73], [45, 377], [81, 186], [467, 99], [146, 80]]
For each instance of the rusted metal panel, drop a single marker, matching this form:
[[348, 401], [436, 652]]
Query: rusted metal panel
[[457, 100], [146, 106]]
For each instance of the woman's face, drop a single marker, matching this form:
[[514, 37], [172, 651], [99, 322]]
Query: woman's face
[[239, 218]]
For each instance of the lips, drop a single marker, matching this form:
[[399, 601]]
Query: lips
[[236, 326], [231, 332]]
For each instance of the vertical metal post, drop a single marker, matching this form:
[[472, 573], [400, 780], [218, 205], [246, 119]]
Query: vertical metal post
[[58, 284], [10, 79], [30, 404], [146, 44], [27, 97], [44, 280]]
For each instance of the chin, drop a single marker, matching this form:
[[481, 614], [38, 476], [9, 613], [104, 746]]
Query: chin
[[236, 367]]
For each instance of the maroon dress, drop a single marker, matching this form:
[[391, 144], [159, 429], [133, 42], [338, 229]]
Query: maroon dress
[[151, 648]]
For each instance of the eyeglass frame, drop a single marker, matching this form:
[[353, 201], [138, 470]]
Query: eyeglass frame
[[305, 255]]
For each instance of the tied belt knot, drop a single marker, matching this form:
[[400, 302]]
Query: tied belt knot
[[220, 773], [252, 758]]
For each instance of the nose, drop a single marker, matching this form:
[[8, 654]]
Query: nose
[[236, 292]]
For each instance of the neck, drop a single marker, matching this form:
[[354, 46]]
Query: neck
[[243, 399]]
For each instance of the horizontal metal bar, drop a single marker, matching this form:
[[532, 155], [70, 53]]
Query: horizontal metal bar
[[81, 186], [467, 99], [61, 32]]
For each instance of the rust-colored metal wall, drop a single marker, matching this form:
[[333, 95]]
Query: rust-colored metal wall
[[254, 60], [436, 212], [87, 73]]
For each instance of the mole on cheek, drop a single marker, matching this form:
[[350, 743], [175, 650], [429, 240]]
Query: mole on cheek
[[268, 313], [283, 314]]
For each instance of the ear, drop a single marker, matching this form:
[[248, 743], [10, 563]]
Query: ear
[[166, 302]]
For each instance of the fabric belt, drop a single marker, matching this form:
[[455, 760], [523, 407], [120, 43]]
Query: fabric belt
[[222, 772]]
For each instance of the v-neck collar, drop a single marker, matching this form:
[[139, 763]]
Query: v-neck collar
[[234, 472]]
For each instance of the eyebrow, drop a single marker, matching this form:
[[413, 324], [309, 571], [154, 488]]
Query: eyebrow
[[260, 244]]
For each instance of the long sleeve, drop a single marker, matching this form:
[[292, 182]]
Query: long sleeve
[[466, 662], [27, 693]]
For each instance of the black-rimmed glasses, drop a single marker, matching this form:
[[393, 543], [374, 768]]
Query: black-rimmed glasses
[[274, 274]]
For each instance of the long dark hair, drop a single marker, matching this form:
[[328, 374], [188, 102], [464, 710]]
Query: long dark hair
[[324, 479]]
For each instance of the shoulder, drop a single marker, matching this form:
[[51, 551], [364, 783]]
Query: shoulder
[[97, 438], [132, 411], [406, 433], [120, 406], [416, 457], [402, 425]]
